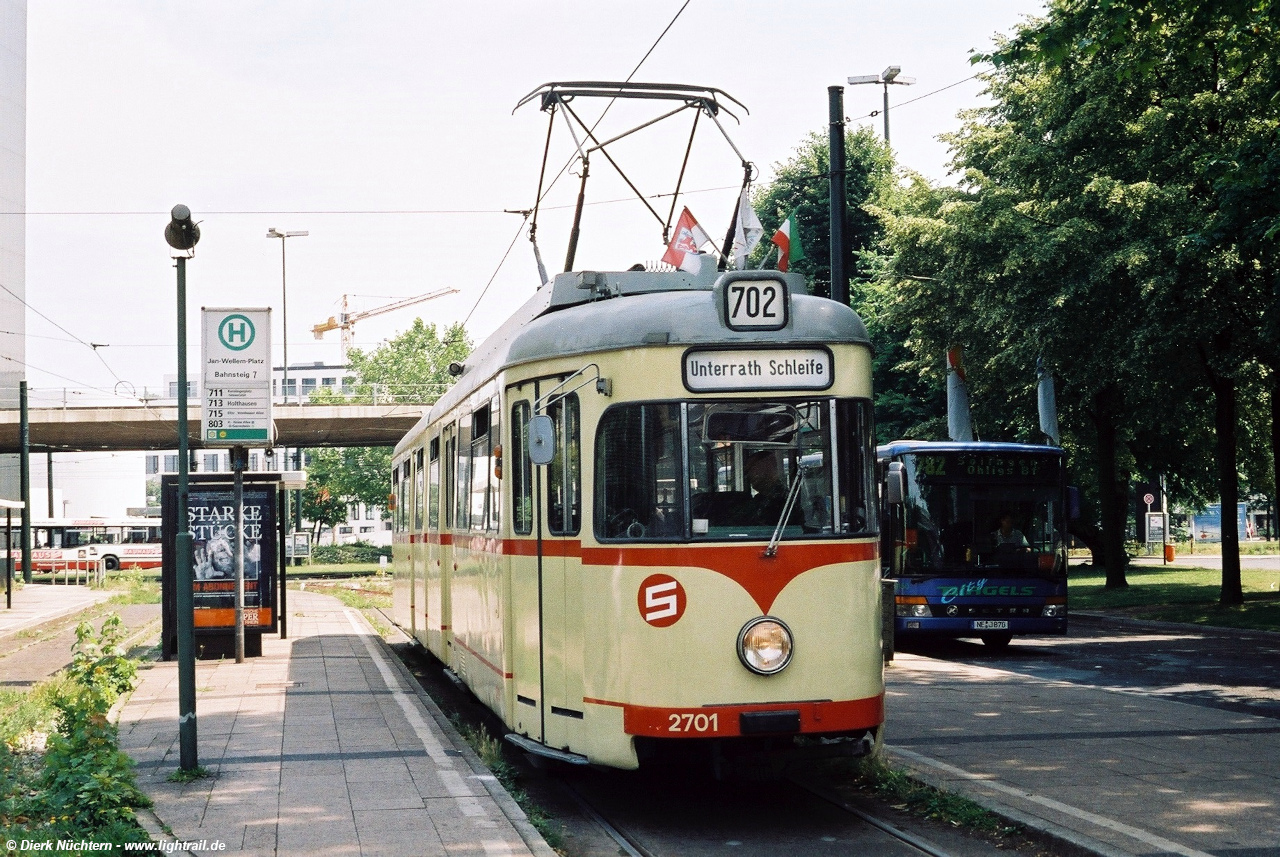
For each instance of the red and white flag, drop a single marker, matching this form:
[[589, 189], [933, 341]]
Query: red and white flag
[[683, 249]]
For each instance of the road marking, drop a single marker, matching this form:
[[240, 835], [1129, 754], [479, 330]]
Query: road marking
[[1084, 815]]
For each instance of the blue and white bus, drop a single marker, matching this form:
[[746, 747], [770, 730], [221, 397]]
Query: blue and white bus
[[975, 537]]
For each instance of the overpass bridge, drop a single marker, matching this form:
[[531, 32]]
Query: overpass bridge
[[138, 428]]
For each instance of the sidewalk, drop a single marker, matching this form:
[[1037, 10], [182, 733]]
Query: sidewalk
[[38, 603], [322, 746], [1115, 773]]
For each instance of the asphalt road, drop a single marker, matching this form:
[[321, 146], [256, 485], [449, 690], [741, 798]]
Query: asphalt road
[[1231, 670]]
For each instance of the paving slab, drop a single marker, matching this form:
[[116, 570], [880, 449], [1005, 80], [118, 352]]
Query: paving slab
[[324, 745]]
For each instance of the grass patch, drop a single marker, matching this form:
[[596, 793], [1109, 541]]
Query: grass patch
[[490, 750], [199, 772], [1187, 595], [360, 593], [133, 587], [876, 778]]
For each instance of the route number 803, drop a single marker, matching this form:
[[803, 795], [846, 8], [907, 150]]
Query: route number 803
[[756, 304]]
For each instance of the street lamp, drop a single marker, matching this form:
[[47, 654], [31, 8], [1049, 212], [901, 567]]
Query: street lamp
[[284, 338], [284, 302], [182, 233], [892, 74]]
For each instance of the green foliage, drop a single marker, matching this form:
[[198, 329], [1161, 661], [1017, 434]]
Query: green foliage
[[897, 788], [199, 772], [82, 787], [413, 366], [354, 552]]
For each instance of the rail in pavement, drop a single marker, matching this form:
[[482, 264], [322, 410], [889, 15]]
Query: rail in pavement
[[324, 745]]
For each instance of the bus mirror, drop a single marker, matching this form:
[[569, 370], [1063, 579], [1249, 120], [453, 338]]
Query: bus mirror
[[1073, 503], [542, 439], [895, 486]]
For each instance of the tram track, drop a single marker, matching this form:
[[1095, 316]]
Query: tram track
[[632, 845]]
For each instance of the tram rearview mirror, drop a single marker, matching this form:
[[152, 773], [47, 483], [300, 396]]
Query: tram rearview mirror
[[542, 439], [895, 486]]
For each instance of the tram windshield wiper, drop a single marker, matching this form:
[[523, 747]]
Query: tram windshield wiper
[[792, 493]]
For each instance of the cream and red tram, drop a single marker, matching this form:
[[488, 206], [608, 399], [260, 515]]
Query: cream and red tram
[[696, 559]]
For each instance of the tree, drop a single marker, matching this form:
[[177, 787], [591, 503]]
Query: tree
[[411, 367], [907, 404], [1176, 102]]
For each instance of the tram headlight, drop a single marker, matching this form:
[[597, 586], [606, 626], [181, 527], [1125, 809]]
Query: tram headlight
[[765, 645]]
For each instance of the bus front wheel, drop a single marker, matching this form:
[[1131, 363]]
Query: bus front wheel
[[111, 563], [997, 641]]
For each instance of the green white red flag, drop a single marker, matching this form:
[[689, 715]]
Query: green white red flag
[[788, 240]]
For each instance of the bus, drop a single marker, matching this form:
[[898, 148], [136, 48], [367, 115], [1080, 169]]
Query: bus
[[974, 536], [61, 543]]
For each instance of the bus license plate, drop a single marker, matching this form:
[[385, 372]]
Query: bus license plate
[[990, 625]]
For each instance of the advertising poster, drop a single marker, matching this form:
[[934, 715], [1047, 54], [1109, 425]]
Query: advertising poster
[[211, 518]]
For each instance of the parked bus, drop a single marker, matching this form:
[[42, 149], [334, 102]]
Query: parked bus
[[59, 543], [975, 537]]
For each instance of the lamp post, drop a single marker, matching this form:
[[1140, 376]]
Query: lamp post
[[182, 234], [284, 302], [892, 74], [284, 338]]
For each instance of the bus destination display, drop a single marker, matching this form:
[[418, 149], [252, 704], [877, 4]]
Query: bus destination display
[[986, 465]]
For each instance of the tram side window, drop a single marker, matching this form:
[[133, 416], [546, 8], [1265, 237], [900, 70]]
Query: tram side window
[[564, 474], [521, 474], [395, 493], [495, 481], [480, 467], [433, 489], [637, 473], [446, 480], [462, 491], [419, 494], [857, 467]]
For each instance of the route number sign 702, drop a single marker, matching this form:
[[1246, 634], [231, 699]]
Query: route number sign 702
[[756, 305]]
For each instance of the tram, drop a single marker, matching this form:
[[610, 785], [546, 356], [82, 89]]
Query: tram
[[642, 523]]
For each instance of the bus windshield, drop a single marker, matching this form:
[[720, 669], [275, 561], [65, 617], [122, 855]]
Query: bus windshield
[[969, 513], [734, 470]]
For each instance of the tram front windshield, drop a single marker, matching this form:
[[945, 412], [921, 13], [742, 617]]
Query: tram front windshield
[[734, 470], [972, 513]]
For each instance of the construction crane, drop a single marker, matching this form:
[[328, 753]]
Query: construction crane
[[347, 320]]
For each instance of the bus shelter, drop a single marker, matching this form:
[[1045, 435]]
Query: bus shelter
[[9, 507], [211, 522]]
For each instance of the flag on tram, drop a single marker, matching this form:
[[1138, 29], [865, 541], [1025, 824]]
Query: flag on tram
[[683, 249], [788, 240], [747, 231]]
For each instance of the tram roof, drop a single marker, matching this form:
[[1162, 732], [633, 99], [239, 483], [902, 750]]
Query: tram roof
[[586, 312], [904, 447]]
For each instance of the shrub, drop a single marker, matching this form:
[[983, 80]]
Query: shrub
[[354, 552]]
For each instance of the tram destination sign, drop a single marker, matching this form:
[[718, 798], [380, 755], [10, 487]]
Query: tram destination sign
[[235, 377], [751, 369]]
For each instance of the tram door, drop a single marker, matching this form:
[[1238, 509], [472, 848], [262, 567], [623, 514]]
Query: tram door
[[547, 629], [560, 491]]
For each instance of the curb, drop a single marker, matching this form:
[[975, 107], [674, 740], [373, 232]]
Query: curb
[[506, 803], [1063, 840]]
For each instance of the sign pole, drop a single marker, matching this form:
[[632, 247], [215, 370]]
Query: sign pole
[[187, 751], [238, 459]]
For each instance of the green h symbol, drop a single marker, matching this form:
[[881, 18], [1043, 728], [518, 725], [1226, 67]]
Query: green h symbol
[[236, 332]]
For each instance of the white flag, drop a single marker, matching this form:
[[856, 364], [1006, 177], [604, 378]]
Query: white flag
[[746, 232]]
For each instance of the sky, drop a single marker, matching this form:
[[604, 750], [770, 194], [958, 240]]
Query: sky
[[387, 132]]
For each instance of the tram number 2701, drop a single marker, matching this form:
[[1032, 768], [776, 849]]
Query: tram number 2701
[[689, 722], [756, 304]]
